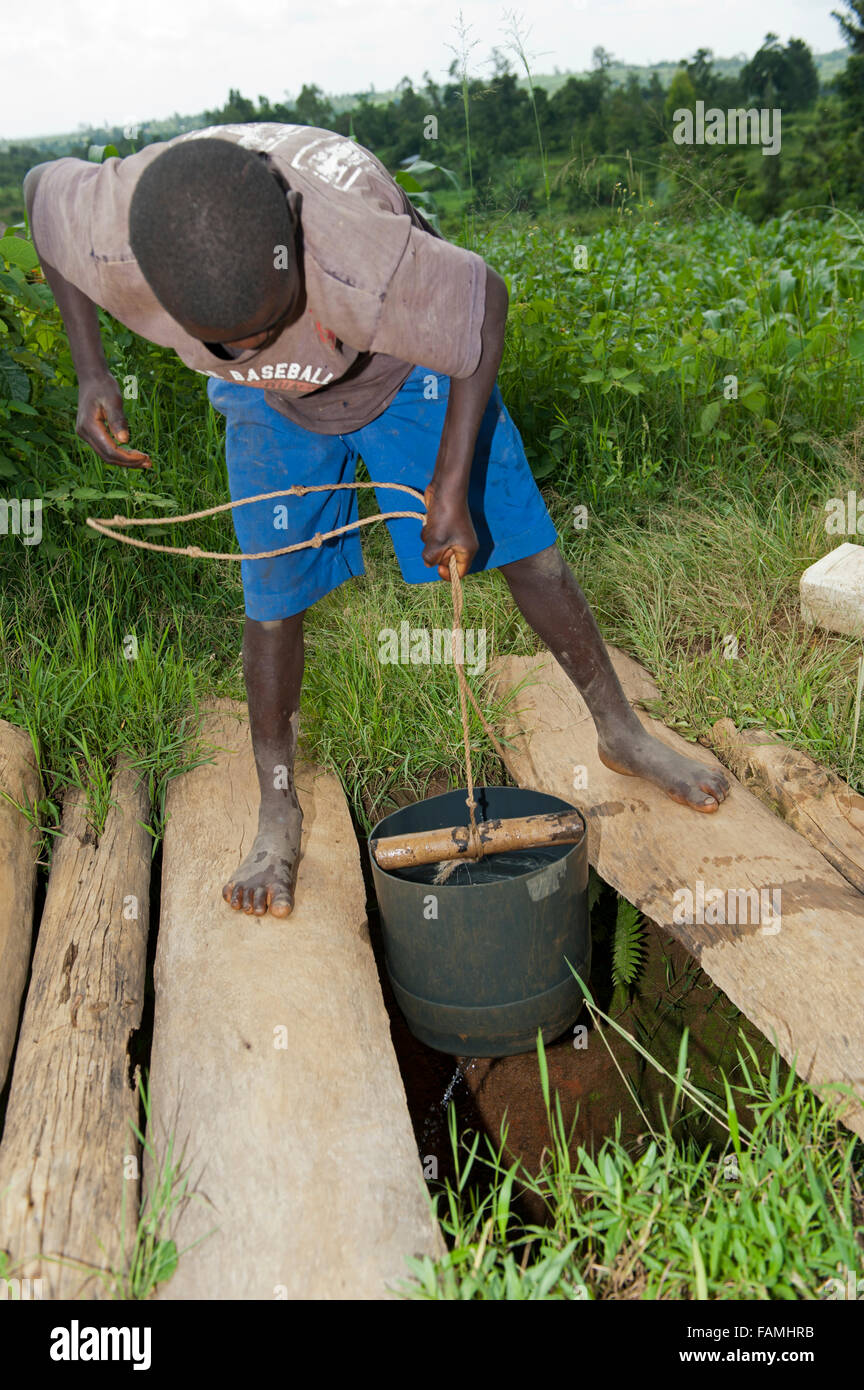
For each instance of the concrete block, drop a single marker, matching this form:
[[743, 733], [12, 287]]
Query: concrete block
[[832, 591]]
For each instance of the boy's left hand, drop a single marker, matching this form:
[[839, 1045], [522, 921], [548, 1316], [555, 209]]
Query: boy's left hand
[[448, 530]]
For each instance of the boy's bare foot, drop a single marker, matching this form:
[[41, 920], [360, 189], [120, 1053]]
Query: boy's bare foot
[[267, 878], [549, 598], [638, 754]]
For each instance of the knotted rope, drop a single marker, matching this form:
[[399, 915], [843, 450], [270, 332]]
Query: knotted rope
[[298, 490]]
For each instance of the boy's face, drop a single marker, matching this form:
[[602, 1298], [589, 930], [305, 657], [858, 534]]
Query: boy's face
[[281, 308]]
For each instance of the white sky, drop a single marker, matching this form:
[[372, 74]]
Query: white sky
[[67, 63]]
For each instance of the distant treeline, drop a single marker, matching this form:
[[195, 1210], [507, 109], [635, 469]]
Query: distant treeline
[[596, 134]]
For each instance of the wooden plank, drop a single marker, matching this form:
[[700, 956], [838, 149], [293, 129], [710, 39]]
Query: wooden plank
[[800, 979], [819, 804], [272, 1063], [19, 779], [62, 1175]]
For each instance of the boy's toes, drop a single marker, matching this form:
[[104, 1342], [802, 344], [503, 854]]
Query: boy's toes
[[707, 795], [700, 797], [697, 799], [276, 899], [716, 785], [700, 802]]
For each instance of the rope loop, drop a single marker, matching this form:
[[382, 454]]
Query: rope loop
[[475, 842]]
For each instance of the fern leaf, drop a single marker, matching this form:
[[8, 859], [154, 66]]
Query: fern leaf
[[629, 945]]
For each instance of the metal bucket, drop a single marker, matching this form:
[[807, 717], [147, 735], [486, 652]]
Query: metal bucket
[[478, 967]]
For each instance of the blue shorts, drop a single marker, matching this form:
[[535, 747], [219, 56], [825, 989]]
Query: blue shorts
[[265, 451]]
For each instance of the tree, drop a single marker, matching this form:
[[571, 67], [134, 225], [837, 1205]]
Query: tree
[[853, 33], [433, 94], [501, 64], [576, 114], [850, 83], [681, 94], [802, 73], [313, 107], [789, 71], [700, 71], [237, 110]]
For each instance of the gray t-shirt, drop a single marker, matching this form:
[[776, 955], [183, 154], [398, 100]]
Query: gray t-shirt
[[384, 292]]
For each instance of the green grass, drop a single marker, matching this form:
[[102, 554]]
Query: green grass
[[776, 1213], [672, 586]]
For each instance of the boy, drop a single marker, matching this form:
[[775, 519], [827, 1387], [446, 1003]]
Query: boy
[[284, 263]]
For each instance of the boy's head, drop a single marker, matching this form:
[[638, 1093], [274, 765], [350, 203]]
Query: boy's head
[[207, 224]]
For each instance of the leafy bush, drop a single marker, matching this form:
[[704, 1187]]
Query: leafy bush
[[678, 343], [36, 373]]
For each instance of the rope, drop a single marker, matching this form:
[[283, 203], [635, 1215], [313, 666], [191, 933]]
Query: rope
[[298, 490]]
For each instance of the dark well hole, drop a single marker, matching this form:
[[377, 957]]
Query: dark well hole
[[141, 1038]]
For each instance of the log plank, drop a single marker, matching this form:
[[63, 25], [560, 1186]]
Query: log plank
[[798, 975], [272, 1064], [68, 1157]]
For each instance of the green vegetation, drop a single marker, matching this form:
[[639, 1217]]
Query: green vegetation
[[776, 1213], [152, 1253]]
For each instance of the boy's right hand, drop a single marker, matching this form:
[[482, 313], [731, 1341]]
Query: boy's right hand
[[100, 409]]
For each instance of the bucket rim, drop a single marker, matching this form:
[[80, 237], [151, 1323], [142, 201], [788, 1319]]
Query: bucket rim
[[564, 804]]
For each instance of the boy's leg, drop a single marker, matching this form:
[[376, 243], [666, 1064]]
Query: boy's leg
[[273, 671], [516, 535], [264, 452], [549, 598]]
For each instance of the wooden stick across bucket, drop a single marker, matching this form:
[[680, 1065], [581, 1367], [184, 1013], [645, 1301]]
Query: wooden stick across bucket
[[454, 842]]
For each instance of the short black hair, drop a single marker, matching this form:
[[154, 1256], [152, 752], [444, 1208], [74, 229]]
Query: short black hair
[[204, 221]]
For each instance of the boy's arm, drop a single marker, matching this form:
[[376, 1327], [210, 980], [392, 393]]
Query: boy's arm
[[100, 404], [448, 528]]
